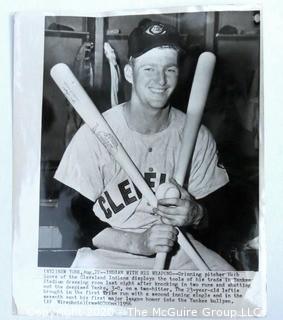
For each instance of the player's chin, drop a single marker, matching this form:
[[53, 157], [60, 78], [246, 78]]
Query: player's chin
[[156, 105], [159, 102]]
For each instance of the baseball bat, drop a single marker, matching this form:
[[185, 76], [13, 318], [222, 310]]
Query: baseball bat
[[76, 95], [196, 104]]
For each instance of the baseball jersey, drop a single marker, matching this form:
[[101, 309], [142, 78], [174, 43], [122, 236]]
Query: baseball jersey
[[88, 168]]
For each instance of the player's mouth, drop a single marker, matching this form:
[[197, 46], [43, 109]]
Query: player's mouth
[[158, 90]]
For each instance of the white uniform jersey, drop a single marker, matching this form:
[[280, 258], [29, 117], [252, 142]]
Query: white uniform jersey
[[88, 168]]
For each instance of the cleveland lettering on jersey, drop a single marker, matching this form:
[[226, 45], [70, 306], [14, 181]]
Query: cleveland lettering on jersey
[[128, 192]]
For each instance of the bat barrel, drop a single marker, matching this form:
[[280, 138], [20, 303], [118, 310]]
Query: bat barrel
[[196, 104], [201, 83]]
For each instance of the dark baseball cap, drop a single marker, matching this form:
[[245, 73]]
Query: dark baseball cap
[[151, 34]]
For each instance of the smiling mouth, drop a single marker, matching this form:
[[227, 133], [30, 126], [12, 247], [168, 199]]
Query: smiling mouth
[[158, 90]]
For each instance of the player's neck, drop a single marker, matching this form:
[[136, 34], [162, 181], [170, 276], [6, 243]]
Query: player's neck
[[146, 121]]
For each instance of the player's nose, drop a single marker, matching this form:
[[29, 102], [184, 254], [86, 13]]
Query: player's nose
[[161, 77]]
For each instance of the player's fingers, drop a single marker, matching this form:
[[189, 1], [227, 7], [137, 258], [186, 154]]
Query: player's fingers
[[171, 211], [176, 221], [164, 242], [184, 193], [163, 249], [173, 181], [158, 228], [168, 221], [165, 235], [148, 209], [170, 202]]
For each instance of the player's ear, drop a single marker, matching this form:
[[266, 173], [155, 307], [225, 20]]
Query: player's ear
[[128, 72]]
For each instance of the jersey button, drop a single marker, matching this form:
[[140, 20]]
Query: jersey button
[[149, 149], [150, 169]]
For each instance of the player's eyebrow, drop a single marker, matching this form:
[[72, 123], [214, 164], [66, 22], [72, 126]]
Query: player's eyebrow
[[172, 65], [169, 65]]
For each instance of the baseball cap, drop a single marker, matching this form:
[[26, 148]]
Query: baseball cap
[[151, 34]]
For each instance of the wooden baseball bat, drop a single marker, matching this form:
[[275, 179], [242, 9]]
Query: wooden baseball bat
[[76, 95], [196, 104]]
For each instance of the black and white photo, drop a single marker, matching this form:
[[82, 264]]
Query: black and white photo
[[138, 71]]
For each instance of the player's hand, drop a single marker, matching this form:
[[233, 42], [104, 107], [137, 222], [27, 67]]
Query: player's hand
[[183, 211], [158, 238]]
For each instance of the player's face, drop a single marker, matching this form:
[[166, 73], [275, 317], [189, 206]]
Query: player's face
[[155, 75]]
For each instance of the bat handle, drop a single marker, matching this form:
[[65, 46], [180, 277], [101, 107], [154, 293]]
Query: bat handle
[[160, 259], [186, 245]]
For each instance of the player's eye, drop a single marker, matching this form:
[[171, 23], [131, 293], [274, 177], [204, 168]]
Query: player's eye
[[148, 69], [172, 70]]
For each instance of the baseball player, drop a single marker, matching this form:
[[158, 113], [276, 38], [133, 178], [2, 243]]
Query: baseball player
[[150, 129]]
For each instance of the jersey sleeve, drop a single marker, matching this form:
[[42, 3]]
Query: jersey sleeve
[[206, 175], [79, 167]]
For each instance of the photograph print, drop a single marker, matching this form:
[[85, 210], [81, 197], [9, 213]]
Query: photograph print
[[150, 142]]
